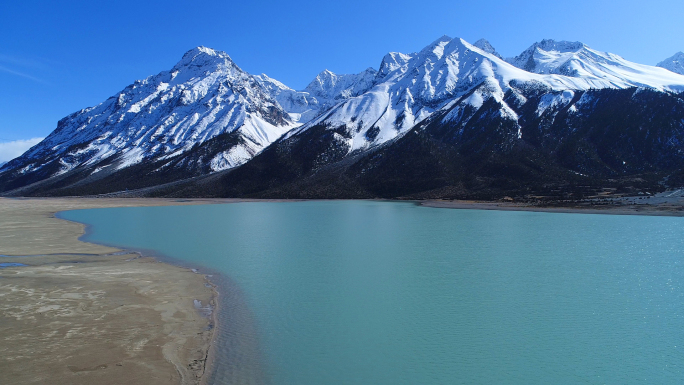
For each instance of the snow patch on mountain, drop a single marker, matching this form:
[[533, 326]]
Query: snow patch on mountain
[[232, 158], [554, 100]]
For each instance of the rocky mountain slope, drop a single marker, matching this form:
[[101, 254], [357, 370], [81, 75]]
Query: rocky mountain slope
[[158, 119], [674, 63]]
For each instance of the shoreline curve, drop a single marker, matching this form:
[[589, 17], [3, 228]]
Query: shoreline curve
[[162, 325]]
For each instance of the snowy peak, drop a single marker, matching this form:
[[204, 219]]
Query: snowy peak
[[163, 116], [396, 61], [449, 68], [484, 45], [443, 39], [300, 105], [205, 58], [436, 48], [272, 84], [391, 62], [203, 52], [674, 63], [543, 56], [596, 68], [410, 87], [329, 87], [323, 82]]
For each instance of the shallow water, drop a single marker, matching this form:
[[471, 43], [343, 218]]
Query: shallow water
[[358, 292]]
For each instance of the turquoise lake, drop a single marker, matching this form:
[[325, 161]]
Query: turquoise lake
[[365, 292]]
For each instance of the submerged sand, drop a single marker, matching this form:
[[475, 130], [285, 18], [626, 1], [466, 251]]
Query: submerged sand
[[79, 315]]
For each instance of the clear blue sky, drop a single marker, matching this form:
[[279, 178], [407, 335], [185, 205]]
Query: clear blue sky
[[59, 57]]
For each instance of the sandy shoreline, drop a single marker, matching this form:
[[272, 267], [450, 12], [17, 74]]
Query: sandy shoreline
[[81, 313]]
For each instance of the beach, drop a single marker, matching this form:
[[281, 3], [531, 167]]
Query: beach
[[80, 313]]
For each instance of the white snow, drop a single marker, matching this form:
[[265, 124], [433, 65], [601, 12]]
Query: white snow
[[131, 157], [231, 158], [554, 100], [65, 167]]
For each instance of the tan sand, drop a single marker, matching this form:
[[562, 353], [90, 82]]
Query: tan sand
[[28, 225], [94, 319]]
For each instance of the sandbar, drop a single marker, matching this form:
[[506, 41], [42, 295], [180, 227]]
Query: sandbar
[[81, 313]]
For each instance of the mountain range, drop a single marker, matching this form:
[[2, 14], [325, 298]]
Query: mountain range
[[455, 120]]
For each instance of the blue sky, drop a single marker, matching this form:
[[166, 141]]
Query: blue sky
[[59, 57]]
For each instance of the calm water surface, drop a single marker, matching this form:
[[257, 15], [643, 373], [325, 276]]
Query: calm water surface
[[357, 292]]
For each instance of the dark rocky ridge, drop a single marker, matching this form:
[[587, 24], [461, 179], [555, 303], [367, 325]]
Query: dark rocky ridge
[[627, 141]]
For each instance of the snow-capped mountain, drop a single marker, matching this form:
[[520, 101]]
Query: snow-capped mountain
[[300, 105], [326, 90], [674, 63], [601, 69], [330, 88], [206, 115], [203, 96], [454, 113], [410, 87]]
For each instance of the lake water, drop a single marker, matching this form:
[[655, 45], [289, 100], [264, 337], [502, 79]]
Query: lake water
[[362, 292]]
